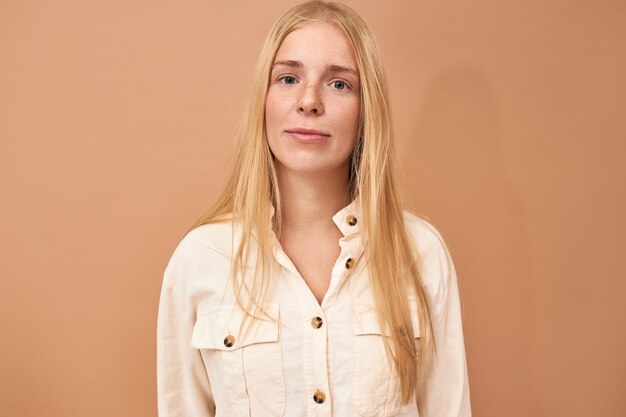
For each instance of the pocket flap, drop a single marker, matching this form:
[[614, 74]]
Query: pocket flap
[[211, 331], [366, 320]]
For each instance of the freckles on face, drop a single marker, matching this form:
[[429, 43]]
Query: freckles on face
[[312, 108]]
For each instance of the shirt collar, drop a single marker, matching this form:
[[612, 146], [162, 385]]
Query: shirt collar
[[348, 219]]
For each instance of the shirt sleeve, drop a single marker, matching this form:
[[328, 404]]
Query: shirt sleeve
[[182, 382], [447, 385]]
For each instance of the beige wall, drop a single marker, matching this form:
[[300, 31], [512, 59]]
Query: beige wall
[[116, 125]]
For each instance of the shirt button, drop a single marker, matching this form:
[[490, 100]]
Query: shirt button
[[349, 263], [351, 220], [316, 322], [229, 341], [319, 396]]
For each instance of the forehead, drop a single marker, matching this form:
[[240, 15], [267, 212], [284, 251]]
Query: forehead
[[317, 43]]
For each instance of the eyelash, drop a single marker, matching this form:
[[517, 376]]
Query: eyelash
[[282, 78], [345, 84]]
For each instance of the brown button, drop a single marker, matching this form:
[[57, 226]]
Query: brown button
[[351, 220], [229, 341], [349, 263], [316, 322], [319, 397]]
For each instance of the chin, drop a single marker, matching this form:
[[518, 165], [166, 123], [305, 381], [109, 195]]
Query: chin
[[313, 167]]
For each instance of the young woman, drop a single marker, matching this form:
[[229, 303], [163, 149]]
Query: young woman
[[306, 290]]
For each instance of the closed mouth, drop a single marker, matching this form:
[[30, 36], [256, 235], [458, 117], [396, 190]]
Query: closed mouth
[[305, 131]]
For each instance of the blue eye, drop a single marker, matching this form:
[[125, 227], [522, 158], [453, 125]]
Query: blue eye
[[288, 79], [340, 85]]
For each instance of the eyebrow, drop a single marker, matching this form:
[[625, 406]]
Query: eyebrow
[[331, 67]]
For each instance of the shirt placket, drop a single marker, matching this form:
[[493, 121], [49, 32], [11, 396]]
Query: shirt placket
[[315, 360], [317, 343]]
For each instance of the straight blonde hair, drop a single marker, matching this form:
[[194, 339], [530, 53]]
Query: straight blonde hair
[[251, 196]]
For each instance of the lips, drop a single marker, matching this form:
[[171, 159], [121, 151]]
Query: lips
[[305, 135]]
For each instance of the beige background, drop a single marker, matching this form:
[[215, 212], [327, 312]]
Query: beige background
[[117, 121]]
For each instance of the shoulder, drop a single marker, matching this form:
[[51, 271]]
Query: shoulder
[[435, 264], [217, 237], [425, 236], [203, 249]]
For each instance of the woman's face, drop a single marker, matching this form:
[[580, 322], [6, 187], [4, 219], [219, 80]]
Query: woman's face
[[313, 103]]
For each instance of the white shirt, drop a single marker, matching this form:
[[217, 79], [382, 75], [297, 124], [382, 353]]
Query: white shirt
[[316, 360]]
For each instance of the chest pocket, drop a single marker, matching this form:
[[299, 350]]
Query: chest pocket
[[376, 387], [248, 363]]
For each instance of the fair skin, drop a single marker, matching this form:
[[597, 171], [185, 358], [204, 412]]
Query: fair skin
[[312, 113]]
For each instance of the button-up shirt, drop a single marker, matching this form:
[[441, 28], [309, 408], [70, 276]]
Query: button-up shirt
[[315, 359]]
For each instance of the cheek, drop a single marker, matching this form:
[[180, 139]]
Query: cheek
[[350, 119], [356, 116], [269, 112], [272, 111], [272, 122]]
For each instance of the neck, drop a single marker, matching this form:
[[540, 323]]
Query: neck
[[310, 200]]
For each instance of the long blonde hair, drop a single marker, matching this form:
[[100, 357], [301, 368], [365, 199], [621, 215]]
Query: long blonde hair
[[251, 196]]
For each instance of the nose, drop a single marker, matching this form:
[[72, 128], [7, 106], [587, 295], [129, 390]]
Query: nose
[[310, 101]]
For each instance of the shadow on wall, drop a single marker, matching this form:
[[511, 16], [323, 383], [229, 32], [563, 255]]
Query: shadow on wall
[[455, 175]]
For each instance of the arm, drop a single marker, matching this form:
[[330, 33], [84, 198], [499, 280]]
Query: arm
[[182, 381], [447, 386]]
